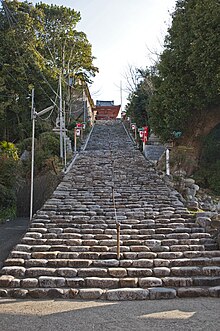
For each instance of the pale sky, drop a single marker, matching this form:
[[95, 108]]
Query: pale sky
[[122, 33]]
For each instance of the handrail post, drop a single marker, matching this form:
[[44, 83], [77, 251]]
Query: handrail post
[[118, 240]]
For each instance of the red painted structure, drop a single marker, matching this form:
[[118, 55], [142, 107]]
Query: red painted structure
[[106, 110]]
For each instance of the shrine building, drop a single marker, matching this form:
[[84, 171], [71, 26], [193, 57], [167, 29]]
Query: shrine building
[[106, 110]]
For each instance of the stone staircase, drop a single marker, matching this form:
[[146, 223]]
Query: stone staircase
[[70, 249], [154, 150]]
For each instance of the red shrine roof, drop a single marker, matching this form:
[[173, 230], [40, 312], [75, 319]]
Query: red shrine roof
[[107, 112]]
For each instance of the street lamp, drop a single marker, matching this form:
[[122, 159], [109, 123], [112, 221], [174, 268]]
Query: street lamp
[[34, 116]]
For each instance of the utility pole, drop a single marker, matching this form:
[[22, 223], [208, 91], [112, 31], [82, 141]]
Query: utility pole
[[34, 116], [121, 94], [167, 162], [84, 105], [64, 129], [61, 118]]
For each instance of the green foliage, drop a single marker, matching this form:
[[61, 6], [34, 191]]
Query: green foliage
[[8, 178], [71, 125], [208, 175], [189, 67], [49, 142], [211, 147], [66, 48], [47, 151], [7, 213], [137, 107], [37, 43], [8, 150], [17, 67]]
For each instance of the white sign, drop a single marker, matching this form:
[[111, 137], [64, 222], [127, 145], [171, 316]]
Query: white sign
[[141, 134], [78, 132]]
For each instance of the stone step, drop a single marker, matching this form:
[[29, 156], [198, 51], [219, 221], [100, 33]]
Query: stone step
[[113, 277], [54, 288], [121, 294], [90, 259]]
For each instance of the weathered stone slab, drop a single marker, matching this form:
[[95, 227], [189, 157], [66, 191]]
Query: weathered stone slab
[[191, 292], [185, 271], [152, 243], [140, 272], [69, 255], [92, 272], [179, 248], [106, 263], [17, 293], [139, 248], [177, 281], [127, 294], [161, 271], [38, 293], [161, 263], [90, 293], [147, 255], [75, 282], [206, 281], [36, 263], [214, 291], [128, 282], [130, 255], [3, 293], [38, 271], [126, 263], [156, 293], [143, 263], [51, 282], [36, 235], [100, 248], [29, 282], [6, 280], [211, 271], [58, 263], [13, 271], [44, 255], [20, 255], [117, 272], [77, 263], [150, 282], [170, 255], [97, 282], [66, 272], [40, 248], [22, 248], [11, 262]]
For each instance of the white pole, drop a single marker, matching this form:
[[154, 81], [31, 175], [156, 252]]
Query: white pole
[[135, 133], [167, 162], [84, 106], [61, 120], [75, 140], [121, 96], [34, 115], [64, 129], [32, 154]]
